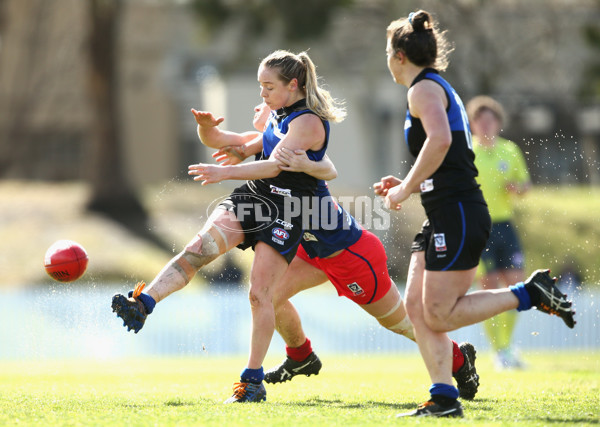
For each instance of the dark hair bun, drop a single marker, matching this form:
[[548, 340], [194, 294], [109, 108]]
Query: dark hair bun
[[422, 21], [419, 37]]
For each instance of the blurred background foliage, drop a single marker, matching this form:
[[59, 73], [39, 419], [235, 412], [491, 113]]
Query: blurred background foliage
[[299, 21], [95, 97]]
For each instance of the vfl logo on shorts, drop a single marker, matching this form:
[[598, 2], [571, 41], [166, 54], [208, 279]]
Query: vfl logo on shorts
[[279, 235], [427, 186], [355, 289], [281, 191], [309, 237], [440, 242]]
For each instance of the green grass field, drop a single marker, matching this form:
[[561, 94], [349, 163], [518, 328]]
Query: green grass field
[[557, 389]]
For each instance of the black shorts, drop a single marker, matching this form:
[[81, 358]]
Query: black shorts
[[503, 250], [262, 219], [453, 236]]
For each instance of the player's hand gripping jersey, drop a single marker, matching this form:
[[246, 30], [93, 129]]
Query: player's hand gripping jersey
[[262, 205], [290, 183]]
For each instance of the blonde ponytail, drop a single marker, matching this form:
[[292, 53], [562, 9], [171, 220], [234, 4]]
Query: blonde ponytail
[[291, 66], [318, 99]]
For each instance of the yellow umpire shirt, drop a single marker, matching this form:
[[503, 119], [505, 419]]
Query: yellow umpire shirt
[[499, 165]]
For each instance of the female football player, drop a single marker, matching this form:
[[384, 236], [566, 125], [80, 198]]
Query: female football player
[[337, 249], [254, 214], [447, 250]]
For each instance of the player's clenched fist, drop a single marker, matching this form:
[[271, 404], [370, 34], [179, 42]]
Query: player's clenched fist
[[381, 188]]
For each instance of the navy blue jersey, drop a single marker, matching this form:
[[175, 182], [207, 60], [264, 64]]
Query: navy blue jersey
[[277, 127], [455, 178], [335, 229]]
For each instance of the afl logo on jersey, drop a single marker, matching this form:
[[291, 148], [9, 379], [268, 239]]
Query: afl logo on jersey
[[280, 233]]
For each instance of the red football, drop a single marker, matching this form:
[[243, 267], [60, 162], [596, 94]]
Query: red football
[[65, 261]]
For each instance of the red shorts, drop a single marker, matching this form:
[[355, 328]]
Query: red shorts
[[359, 272]]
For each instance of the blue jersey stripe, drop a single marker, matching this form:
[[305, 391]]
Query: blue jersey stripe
[[462, 239], [372, 272], [292, 247]]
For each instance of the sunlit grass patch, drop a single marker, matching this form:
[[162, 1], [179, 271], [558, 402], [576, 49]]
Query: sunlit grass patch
[[559, 388]]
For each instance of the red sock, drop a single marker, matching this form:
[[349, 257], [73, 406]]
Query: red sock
[[458, 360], [299, 353]]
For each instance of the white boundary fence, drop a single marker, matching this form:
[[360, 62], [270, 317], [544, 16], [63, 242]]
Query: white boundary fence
[[70, 321]]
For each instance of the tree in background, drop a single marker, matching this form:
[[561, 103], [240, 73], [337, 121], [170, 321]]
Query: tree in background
[[299, 20], [111, 191], [45, 101], [590, 85], [22, 81], [290, 21]]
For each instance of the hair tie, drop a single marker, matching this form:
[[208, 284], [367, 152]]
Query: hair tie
[[410, 17]]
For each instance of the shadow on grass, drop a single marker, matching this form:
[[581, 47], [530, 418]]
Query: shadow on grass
[[337, 403], [179, 402], [482, 404], [490, 405], [171, 402]]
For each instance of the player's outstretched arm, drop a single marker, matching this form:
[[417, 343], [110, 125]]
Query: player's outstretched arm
[[213, 137], [304, 133], [229, 169], [212, 174], [298, 161]]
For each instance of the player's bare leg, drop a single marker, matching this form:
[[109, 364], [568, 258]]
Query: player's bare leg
[[221, 233], [435, 347], [268, 268], [426, 338], [299, 277], [396, 320], [390, 313], [447, 308], [300, 359], [437, 303]]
